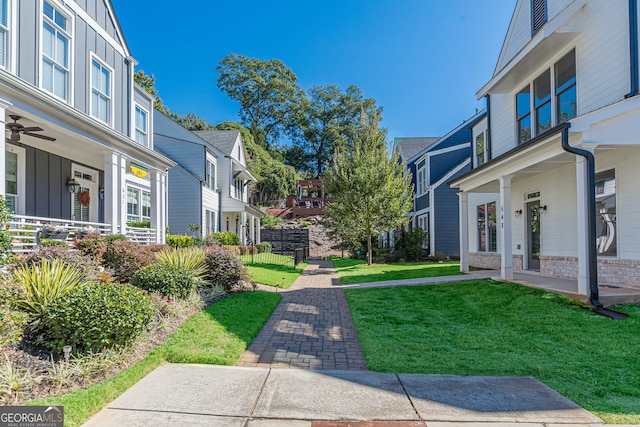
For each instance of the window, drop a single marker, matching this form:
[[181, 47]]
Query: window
[[606, 221], [4, 32], [421, 181], [11, 180], [138, 205], [100, 91], [210, 222], [542, 101], [565, 82], [487, 230], [481, 148], [523, 114], [239, 188], [55, 52], [538, 15], [141, 127], [210, 175], [423, 224]]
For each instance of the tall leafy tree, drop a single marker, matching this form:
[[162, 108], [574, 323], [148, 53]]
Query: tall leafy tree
[[327, 119], [372, 190], [148, 83], [266, 91], [274, 180]]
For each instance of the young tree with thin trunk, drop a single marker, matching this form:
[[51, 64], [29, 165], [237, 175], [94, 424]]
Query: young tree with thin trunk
[[372, 191]]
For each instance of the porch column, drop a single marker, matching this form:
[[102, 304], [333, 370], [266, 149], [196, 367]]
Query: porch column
[[111, 190], [252, 228], [582, 191], [122, 188], [258, 232], [243, 228], [3, 112], [464, 232], [156, 204], [506, 261], [164, 185], [432, 223]]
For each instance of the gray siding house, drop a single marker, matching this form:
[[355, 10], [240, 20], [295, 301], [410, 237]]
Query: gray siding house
[[208, 187], [78, 148]]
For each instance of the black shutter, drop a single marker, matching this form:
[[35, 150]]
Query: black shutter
[[538, 15]]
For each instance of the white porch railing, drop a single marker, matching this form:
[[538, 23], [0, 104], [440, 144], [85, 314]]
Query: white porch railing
[[141, 235], [26, 231]]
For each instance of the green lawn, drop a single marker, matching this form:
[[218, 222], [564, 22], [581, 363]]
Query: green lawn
[[272, 274], [493, 328], [353, 271], [268, 258], [218, 335]]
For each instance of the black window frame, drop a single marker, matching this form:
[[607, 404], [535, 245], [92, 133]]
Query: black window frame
[[520, 118], [560, 90]]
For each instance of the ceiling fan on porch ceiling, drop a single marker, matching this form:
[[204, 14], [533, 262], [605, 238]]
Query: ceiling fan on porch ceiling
[[16, 129]]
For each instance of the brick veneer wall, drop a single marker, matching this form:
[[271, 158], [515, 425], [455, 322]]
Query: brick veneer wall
[[488, 260], [556, 266]]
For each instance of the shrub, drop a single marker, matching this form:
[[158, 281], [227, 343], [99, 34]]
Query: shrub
[[110, 238], [225, 269], [270, 221], [92, 270], [139, 224], [409, 245], [44, 283], [53, 242], [11, 322], [95, 317], [125, 258], [264, 247], [211, 240], [227, 237], [191, 259], [169, 280], [5, 236], [179, 241]]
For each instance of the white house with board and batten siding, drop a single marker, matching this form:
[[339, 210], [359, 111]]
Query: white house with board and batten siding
[[555, 192]]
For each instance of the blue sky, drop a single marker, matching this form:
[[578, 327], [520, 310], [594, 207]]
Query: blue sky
[[422, 60]]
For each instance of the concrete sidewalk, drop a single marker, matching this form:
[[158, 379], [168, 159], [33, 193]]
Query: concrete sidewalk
[[204, 395]]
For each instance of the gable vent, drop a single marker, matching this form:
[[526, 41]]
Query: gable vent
[[538, 15]]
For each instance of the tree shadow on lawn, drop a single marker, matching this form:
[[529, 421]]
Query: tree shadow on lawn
[[429, 270]]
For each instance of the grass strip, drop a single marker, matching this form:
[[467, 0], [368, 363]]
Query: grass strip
[[273, 275], [352, 271], [220, 334], [494, 328]]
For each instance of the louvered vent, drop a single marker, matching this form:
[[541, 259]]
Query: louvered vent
[[538, 15]]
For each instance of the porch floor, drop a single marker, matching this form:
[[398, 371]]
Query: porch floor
[[609, 294]]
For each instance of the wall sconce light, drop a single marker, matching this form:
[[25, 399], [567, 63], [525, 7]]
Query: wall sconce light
[[73, 186], [101, 193], [518, 213], [543, 208]]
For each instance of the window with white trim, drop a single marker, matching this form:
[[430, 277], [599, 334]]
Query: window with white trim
[[100, 91], [606, 218], [55, 52], [423, 224], [209, 222], [4, 32], [141, 126], [421, 180], [481, 148], [138, 205], [210, 175], [487, 228]]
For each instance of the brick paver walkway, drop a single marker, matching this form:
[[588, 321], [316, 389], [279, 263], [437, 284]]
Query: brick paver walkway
[[311, 328]]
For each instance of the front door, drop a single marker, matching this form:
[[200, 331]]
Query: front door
[[533, 230], [84, 203]]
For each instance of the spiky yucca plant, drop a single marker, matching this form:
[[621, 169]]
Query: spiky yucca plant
[[45, 282], [190, 258]]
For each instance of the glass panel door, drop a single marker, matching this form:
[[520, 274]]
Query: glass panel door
[[533, 224]]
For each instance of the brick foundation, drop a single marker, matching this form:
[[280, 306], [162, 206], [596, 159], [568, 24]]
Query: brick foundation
[[486, 260]]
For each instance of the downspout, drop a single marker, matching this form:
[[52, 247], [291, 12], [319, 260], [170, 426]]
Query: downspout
[[488, 148], [591, 209], [633, 47]]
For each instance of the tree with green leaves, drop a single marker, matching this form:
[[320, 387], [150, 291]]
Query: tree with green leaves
[[327, 119], [372, 191], [148, 83], [274, 180], [266, 91]]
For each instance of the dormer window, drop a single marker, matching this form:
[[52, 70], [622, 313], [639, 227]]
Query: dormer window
[[55, 52], [538, 15]]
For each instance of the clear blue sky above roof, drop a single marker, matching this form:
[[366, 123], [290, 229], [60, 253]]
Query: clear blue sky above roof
[[422, 60]]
